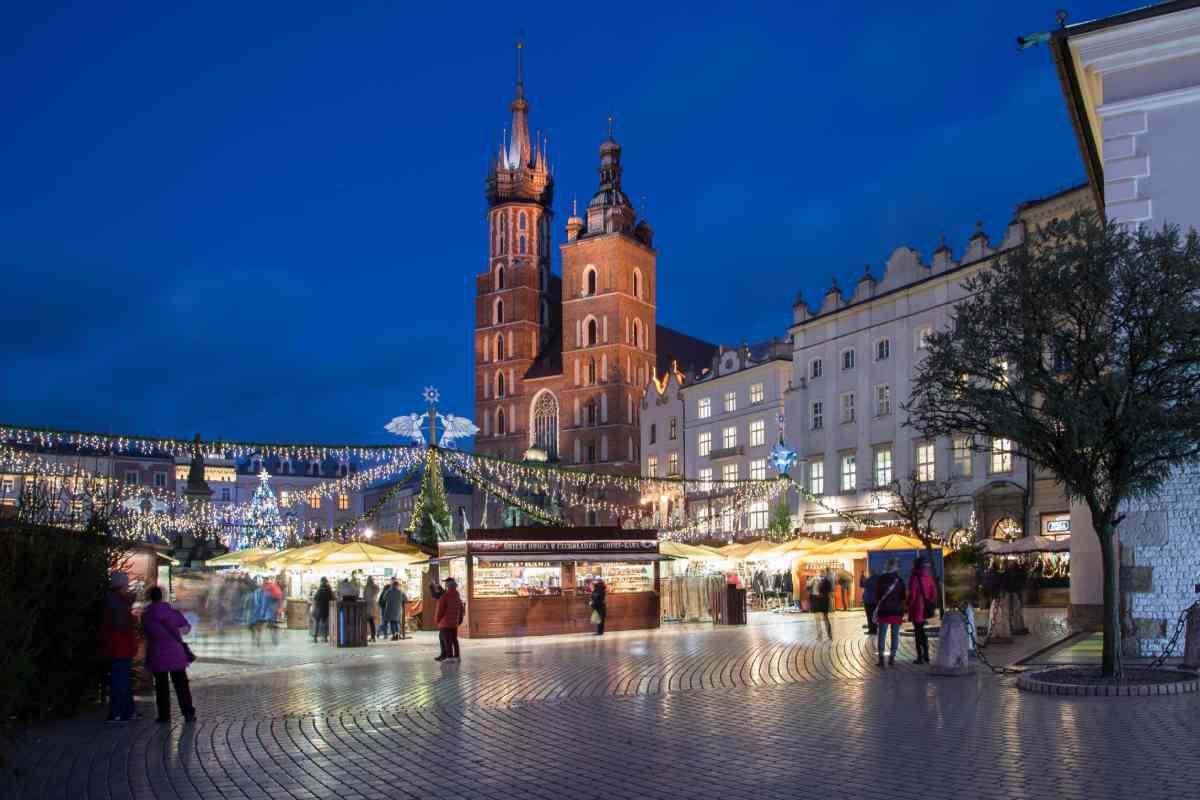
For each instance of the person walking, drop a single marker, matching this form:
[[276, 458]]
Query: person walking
[[599, 605], [167, 657], [347, 589], [321, 601], [922, 601], [371, 600], [119, 643], [821, 603], [869, 583], [393, 602], [889, 610], [448, 616]]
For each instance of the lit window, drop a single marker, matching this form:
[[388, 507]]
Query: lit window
[[816, 478], [652, 466], [131, 477], [883, 349], [704, 444], [848, 358], [758, 515], [343, 502], [814, 368], [756, 393], [704, 407], [730, 401], [729, 472], [758, 433], [883, 400], [849, 473], [674, 428], [926, 462], [847, 406], [315, 501], [960, 454], [729, 437], [1001, 380], [758, 469], [706, 477], [818, 415], [673, 463], [1000, 459], [883, 466], [285, 498]]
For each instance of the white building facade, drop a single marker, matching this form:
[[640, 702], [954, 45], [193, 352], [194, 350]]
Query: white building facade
[[1132, 88], [853, 363]]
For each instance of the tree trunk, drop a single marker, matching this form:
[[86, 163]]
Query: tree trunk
[[1111, 562]]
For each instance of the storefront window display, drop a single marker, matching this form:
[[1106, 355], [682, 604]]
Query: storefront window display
[[618, 577], [517, 578]]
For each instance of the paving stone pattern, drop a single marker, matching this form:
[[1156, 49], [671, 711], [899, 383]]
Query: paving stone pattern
[[764, 711]]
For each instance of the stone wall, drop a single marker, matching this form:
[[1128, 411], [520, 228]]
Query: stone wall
[[1160, 563]]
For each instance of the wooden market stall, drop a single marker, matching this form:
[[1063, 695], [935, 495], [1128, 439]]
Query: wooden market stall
[[537, 581]]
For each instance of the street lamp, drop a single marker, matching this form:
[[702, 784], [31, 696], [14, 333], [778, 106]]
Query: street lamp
[[369, 533]]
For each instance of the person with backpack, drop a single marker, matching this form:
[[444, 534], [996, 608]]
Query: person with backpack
[[922, 603], [889, 609], [167, 656]]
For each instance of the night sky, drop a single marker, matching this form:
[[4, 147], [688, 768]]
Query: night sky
[[264, 221]]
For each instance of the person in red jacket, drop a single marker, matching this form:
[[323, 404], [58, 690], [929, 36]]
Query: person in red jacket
[[448, 616], [922, 603], [118, 641]]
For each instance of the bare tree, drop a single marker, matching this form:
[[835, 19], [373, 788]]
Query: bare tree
[[918, 502], [1082, 349]]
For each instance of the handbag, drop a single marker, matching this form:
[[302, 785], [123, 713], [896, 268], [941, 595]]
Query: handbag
[[595, 617]]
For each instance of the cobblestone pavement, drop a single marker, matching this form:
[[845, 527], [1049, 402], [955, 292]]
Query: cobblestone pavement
[[765, 711]]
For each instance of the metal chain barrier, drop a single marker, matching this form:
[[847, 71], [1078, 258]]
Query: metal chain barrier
[[978, 648], [1174, 640]]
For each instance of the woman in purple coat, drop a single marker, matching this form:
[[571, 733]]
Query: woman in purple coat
[[166, 654]]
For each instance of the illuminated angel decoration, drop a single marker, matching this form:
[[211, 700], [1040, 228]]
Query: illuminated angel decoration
[[409, 425], [455, 428]]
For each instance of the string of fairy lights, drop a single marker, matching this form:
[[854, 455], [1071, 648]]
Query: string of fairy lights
[[157, 512]]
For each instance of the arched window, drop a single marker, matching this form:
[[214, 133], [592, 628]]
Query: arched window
[[545, 424], [637, 283], [589, 281], [521, 245], [637, 334], [495, 233], [500, 425], [500, 347], [500, 384], [592, 332], [591, 412], [521, 221], [500, 277], [591, 374], [1006, 529], [498, 315]]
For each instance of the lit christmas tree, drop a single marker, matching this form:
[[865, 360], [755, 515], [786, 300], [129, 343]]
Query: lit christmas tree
[[264, 524], [431, 521]]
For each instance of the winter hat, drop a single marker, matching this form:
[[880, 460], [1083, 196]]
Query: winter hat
[[118, 580]]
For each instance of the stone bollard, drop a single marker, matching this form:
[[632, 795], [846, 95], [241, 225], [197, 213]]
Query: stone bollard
[[953, 646], [998, 629], [1191, 646], [972, 631], [1016, 615]]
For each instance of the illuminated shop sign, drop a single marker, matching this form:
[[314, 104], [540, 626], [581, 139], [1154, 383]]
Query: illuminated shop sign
[[566, 547], [1058, 525]]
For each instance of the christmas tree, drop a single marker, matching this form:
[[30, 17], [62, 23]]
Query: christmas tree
[[264, 524], [431, 521]]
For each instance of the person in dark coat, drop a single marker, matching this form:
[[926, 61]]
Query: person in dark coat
[[392, 605], [599, 605], [167, 657], [821, 603], [889, 608], [320, 613], [119, 641], [869, 582]]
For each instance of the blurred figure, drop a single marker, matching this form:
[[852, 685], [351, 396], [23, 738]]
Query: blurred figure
[[599, 605], [824, 598], [347, 589], [371, 601], [167, 655], [869, 582], [119, 643], [393, 603], [320, 610]]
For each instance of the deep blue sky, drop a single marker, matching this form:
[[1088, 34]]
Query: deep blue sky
[[264, 220]]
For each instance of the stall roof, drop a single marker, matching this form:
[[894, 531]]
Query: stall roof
[[560, 557]]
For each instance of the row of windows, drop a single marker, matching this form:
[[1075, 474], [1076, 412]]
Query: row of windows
[[732, 472], [883, 351], [729, 437], [591, 278], [672, 430], [500, 233], [672, 465], [999, 455], [133, 478], [847, 407], [704, 404]]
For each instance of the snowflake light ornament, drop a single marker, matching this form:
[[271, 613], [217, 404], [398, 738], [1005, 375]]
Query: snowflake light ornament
[[782, 457], [431, 394]]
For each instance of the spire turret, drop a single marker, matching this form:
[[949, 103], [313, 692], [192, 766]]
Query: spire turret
[[522, 171]]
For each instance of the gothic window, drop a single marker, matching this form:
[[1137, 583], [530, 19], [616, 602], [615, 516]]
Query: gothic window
[[521, 221], [637, 334], [592, 332], [589, 279], [545, 424], [499, 347], [500, 384], [591, 412], [591, 373], [521, 245], [500, 277], [498, 316], [500, 429], [637, 283]]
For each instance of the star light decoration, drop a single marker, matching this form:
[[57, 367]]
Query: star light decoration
[[783, 457]]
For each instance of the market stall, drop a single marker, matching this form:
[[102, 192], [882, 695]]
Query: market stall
[[689, 581], [537, 581]]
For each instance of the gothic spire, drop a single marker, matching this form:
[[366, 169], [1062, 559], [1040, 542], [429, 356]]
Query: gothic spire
[[518, 149]]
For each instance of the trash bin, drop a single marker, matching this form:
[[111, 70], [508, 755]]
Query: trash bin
[[351, 621]]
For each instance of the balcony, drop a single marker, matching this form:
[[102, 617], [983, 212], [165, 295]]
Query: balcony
[[726, 452]]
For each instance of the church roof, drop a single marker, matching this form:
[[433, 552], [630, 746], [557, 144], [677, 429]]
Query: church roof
[[687, 352]]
